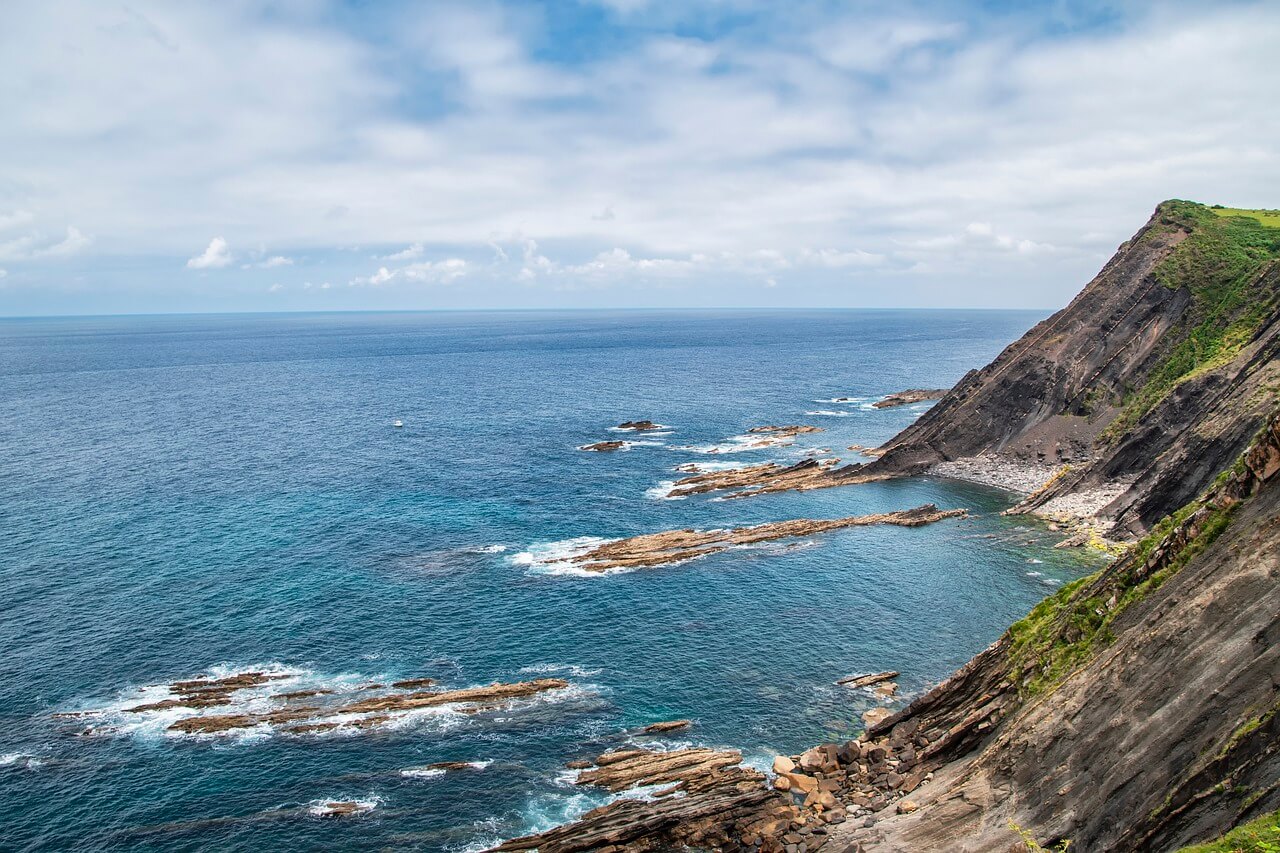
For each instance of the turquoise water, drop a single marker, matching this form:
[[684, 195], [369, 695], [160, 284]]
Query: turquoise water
[[184, 495]]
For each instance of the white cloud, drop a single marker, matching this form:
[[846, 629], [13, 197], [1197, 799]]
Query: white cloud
[[275, 261], [3, 273], [408, 254], [443, 272], [215, 256], [837, 259], [437, 272], [72, 244], [275, 288]]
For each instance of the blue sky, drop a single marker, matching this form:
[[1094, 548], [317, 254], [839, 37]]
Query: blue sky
[[246, 156]]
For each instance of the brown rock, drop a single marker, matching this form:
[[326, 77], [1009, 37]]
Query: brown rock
[[413, 682], [671, 546], [912, 395], [668, 726], [907, 806], [803, 782], [853, 681], [875, 716]]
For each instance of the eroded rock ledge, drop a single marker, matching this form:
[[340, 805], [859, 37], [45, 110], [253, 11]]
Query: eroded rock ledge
[[673, 546], [911, 395], [322, 710], [705, 798], [758, 479], [708, 801]]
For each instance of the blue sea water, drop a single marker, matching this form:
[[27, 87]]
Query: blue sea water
[[197, 494]]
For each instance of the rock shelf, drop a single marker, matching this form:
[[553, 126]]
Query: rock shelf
[[758, 479], [674, 546], [911, 395], [784, 431], [706, 799], [853, 681], [324, 710], [710, 802]]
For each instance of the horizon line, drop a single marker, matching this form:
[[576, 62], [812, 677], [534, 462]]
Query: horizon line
[[544, 310]]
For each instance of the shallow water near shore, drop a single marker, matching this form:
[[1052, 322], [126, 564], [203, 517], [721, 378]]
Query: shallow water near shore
[[210, 495]]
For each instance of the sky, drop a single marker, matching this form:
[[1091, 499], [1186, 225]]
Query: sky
[[312, 155]]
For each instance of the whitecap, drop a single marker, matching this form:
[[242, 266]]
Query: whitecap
[[560, 558], [708, 467], [662, 492], [740, 443], [828, 413], [541, 554], [332, 807], [21, 759], [547, 668], [423, 772]]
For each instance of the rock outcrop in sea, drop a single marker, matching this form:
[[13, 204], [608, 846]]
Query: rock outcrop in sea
[[676, 546]]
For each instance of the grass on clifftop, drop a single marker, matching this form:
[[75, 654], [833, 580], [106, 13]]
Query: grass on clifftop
[[1219, 265], [1270, 218], [1259, 836]]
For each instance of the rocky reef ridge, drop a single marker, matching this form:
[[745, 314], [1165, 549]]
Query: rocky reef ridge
[[676, 546]]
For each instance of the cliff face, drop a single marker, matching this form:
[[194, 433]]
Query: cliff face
[[1135, 710], [1147, 385]]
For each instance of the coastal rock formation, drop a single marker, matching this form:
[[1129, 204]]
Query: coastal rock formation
[[604, 446], [668, 726], [760, 479], [854, 681], [674, 546], [911, 395], [325, 709], [1133, 710], [784, 431], [639, 426], [1152, 379], [708, 801]]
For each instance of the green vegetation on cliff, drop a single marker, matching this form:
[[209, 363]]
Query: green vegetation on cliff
[[1065, 630], [1220, 264], [1258, 836]]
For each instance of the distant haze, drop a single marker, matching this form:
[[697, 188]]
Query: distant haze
[[319, 155]]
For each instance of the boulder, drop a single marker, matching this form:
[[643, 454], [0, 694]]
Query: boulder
[[876, 716]]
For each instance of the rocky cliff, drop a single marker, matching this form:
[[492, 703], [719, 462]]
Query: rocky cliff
[[1133, 710], [1142, 389]]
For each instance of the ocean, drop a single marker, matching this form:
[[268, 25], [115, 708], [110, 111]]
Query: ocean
[[205, 495]]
